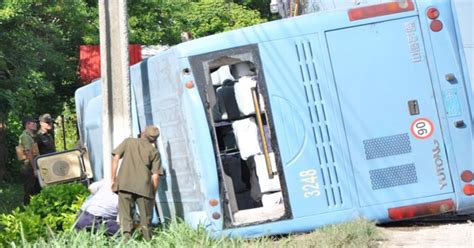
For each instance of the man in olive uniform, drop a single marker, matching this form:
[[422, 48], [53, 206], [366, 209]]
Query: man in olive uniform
[[137, 180], [44, 137], [31, 185]]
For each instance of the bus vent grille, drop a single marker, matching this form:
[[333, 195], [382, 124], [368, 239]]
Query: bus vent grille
[[387, 146], [321, 132], [393, 176]]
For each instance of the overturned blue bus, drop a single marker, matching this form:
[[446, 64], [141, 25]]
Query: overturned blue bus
[[294, 124]]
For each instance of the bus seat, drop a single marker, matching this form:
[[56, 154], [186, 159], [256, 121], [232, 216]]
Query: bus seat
[[243, 95], [267, 185], [222, 74], [246, 135], [272, 199], [233, 168], [226, 101]]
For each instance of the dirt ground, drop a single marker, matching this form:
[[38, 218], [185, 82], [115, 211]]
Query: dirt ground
[[459, 233]]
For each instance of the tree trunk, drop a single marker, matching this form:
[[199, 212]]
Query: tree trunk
[[3, 150]]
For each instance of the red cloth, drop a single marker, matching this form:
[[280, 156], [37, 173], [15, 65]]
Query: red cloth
[[89, 60]]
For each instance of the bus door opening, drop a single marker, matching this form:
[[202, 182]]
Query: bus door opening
[[245, 148]]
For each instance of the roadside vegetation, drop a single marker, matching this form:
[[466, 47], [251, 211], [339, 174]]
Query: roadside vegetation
[[49, 219], [53, 210], [357, 233], [39, 53], [353, 234], [11, 196]]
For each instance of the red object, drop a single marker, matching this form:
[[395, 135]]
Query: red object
[[213, 202], [422, 128], [432, 13], [430, 208], [436, 25], [89, 60], [467, 176], [190, 84], [380, 10], [468, 189]]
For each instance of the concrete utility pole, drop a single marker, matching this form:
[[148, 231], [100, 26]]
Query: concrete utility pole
[[116, 97]]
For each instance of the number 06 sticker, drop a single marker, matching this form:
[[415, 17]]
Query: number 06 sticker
[[422, 128]]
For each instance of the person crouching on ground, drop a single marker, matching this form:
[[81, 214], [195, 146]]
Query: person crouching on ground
[[100, 208], [137, 180]]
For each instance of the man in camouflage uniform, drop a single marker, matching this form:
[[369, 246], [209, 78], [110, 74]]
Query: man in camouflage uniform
[[31, 183], [44, 137], [137, 180]]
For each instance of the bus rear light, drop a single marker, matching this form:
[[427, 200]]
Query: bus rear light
[[436, 25], [432, 13], [468, 189], [467, 176], [380, 10], [431, 208], [213, 202]]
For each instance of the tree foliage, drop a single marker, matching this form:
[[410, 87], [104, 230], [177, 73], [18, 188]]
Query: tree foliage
[[39, 52], [38, 61], [214, 16], [262, 6], [162, 21], [40, 39], [39, 58]]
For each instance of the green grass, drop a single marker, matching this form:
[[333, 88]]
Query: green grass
[[358, 233], [11, 196]]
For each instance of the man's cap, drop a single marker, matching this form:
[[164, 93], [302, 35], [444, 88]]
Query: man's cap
[[45, 118], [27, 119], [151, 133]]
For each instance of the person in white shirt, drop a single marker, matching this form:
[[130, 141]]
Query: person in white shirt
[[99, 208]]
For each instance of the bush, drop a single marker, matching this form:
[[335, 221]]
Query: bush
[[11, 138], [11, 195], [66, 138], [51, 211]]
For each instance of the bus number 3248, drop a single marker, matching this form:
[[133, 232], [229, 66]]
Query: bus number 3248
[[310, 183]]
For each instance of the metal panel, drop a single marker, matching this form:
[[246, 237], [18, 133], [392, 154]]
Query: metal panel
[[160, 94], [304, 126], [89, 109], [387, 146], [393, 176], [464, 10], [318, 120], [378, 69]]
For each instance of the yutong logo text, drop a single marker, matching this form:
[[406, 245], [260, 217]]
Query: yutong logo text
[[439, 166]]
